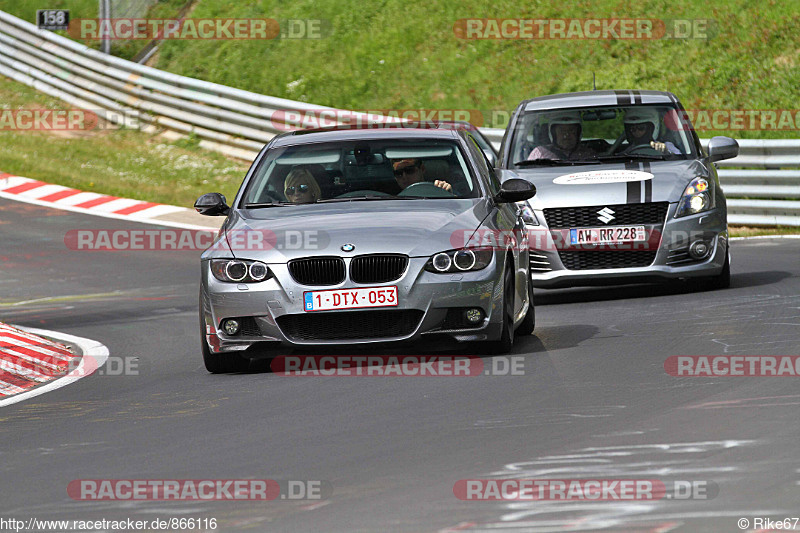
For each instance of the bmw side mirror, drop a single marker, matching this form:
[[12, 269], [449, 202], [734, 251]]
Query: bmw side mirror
[[720, 148], [515, 190], [212, 204]]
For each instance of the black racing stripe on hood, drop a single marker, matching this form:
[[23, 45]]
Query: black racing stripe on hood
[[634, 192], [648, 185], [624, 97], [637, 97], [633, 188]]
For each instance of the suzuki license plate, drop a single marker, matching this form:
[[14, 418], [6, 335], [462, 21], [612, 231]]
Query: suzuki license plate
[[610, 235]]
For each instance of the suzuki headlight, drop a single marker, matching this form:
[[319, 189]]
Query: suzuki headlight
[[527, 214], [697, 197]]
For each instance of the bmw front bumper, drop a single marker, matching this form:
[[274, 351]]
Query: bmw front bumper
[[425, 297]]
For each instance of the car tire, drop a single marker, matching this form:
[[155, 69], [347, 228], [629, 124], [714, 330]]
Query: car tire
[[220, 363], [223, 363], [506, 340], [529, 322], [723, 279]]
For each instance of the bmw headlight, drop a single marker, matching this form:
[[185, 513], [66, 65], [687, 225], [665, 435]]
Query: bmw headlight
[[697, 197], [463, 260], [239, 270]]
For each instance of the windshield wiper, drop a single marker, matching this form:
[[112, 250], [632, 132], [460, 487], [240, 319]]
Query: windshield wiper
[[352, 199], [542, 161], [259, 205], [554, 162], [630, 157], [363, 198]]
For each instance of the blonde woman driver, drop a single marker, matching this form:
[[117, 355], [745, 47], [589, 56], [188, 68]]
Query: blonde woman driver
[[301, 187]]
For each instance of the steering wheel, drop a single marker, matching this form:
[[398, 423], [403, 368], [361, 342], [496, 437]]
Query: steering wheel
[[275, 196], [525, 149], [614, 147], [425, 188]]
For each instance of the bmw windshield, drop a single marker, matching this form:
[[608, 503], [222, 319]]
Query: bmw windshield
[[604, 134], [364, 170]]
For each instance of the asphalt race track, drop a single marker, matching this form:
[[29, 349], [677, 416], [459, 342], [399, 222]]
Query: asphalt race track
[[594, 402]]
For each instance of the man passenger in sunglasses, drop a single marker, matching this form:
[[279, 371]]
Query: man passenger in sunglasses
[[410, 171]]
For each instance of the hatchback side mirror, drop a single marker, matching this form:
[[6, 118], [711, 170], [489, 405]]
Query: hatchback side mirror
[[212, 204], [720, 148]]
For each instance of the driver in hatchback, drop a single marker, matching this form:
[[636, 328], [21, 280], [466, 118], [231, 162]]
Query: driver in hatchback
[[642, 127], [407, 172]]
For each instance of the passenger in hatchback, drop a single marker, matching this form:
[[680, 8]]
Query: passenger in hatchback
[[564, 132]]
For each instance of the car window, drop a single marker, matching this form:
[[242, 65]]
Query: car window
[[585, 134], [482, 141], [368, 169], [483, 165]]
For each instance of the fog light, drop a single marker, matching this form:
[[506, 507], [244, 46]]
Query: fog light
[[474, 315], [231, 326], [699, 249]]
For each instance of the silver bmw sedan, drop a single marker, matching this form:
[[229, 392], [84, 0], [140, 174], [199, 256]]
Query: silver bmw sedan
[[359, 235]]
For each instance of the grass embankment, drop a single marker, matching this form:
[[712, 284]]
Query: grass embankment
[[401, 55], [405, 55], [749, 231]]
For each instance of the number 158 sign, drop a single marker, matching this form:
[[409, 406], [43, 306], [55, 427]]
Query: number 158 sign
[[52, 19]]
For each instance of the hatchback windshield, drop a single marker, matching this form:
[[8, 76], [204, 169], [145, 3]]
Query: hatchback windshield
[[569, 136], [385, 169]]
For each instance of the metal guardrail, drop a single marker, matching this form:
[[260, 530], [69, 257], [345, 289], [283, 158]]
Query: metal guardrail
[[238, 123]]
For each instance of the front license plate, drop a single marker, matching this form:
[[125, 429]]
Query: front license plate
[[350, 298], [610, 235]]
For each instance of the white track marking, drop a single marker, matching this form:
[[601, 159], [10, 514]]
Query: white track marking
[[88, 347]]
